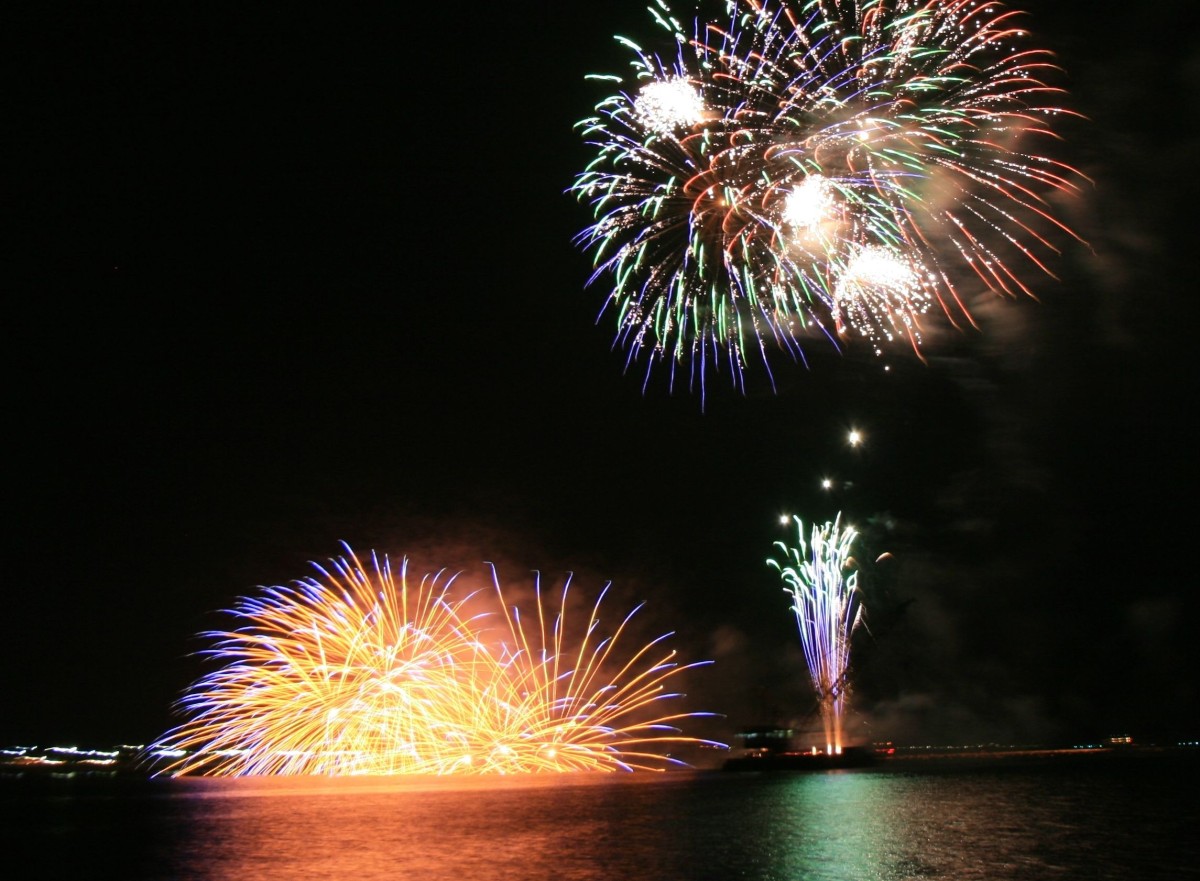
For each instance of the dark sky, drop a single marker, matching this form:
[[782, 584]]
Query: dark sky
[[279, 277]]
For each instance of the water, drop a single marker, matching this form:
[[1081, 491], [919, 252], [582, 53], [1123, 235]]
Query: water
[[1064, 817]]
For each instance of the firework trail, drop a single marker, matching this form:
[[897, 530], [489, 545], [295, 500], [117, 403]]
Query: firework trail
[[824, 168], [826, 603], [361, 672]]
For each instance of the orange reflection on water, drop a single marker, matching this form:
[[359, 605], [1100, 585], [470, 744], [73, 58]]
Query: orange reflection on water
[[428, 828]]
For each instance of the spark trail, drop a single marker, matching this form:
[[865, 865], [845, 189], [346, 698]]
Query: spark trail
[[361, 671], [827, 606], [791, 170]]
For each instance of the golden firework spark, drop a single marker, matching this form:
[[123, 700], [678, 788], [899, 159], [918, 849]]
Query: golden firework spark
[[360, 672]]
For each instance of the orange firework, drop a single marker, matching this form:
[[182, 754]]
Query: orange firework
[[587, 706], [360, 673]]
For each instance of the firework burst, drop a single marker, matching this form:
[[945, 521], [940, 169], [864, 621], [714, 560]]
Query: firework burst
[[826, 603], [360, 671], [738, 182]]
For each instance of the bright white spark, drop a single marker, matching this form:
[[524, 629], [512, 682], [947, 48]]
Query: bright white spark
[[665, 105], [880, 294], [809, 204]]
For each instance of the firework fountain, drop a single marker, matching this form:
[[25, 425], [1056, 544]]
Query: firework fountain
[[819, 168], [828, 609], [361, 671]]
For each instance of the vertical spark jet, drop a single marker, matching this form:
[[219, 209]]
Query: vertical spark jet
[[828, 608]]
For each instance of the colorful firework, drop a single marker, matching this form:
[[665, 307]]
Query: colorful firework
[[359, 672], [826, 603], [557, 704], [740, 184]]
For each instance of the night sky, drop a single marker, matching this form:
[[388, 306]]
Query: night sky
[[280, 277]]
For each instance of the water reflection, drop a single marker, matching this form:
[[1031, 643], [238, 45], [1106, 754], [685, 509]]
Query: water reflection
[[951, 822], [542, 828]]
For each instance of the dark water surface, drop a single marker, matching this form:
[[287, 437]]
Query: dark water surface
[[1032, 817]]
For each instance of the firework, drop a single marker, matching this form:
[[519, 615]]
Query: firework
[[823, 168], [880, 295], [826, 603], [360, 671], [552, 703]]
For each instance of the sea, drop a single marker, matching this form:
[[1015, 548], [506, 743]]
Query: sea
[[1038, 815]]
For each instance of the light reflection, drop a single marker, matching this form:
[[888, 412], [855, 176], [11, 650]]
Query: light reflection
[[1000, 818]]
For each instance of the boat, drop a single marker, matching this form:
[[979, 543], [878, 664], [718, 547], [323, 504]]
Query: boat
[[773, 748], [849, 757]]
